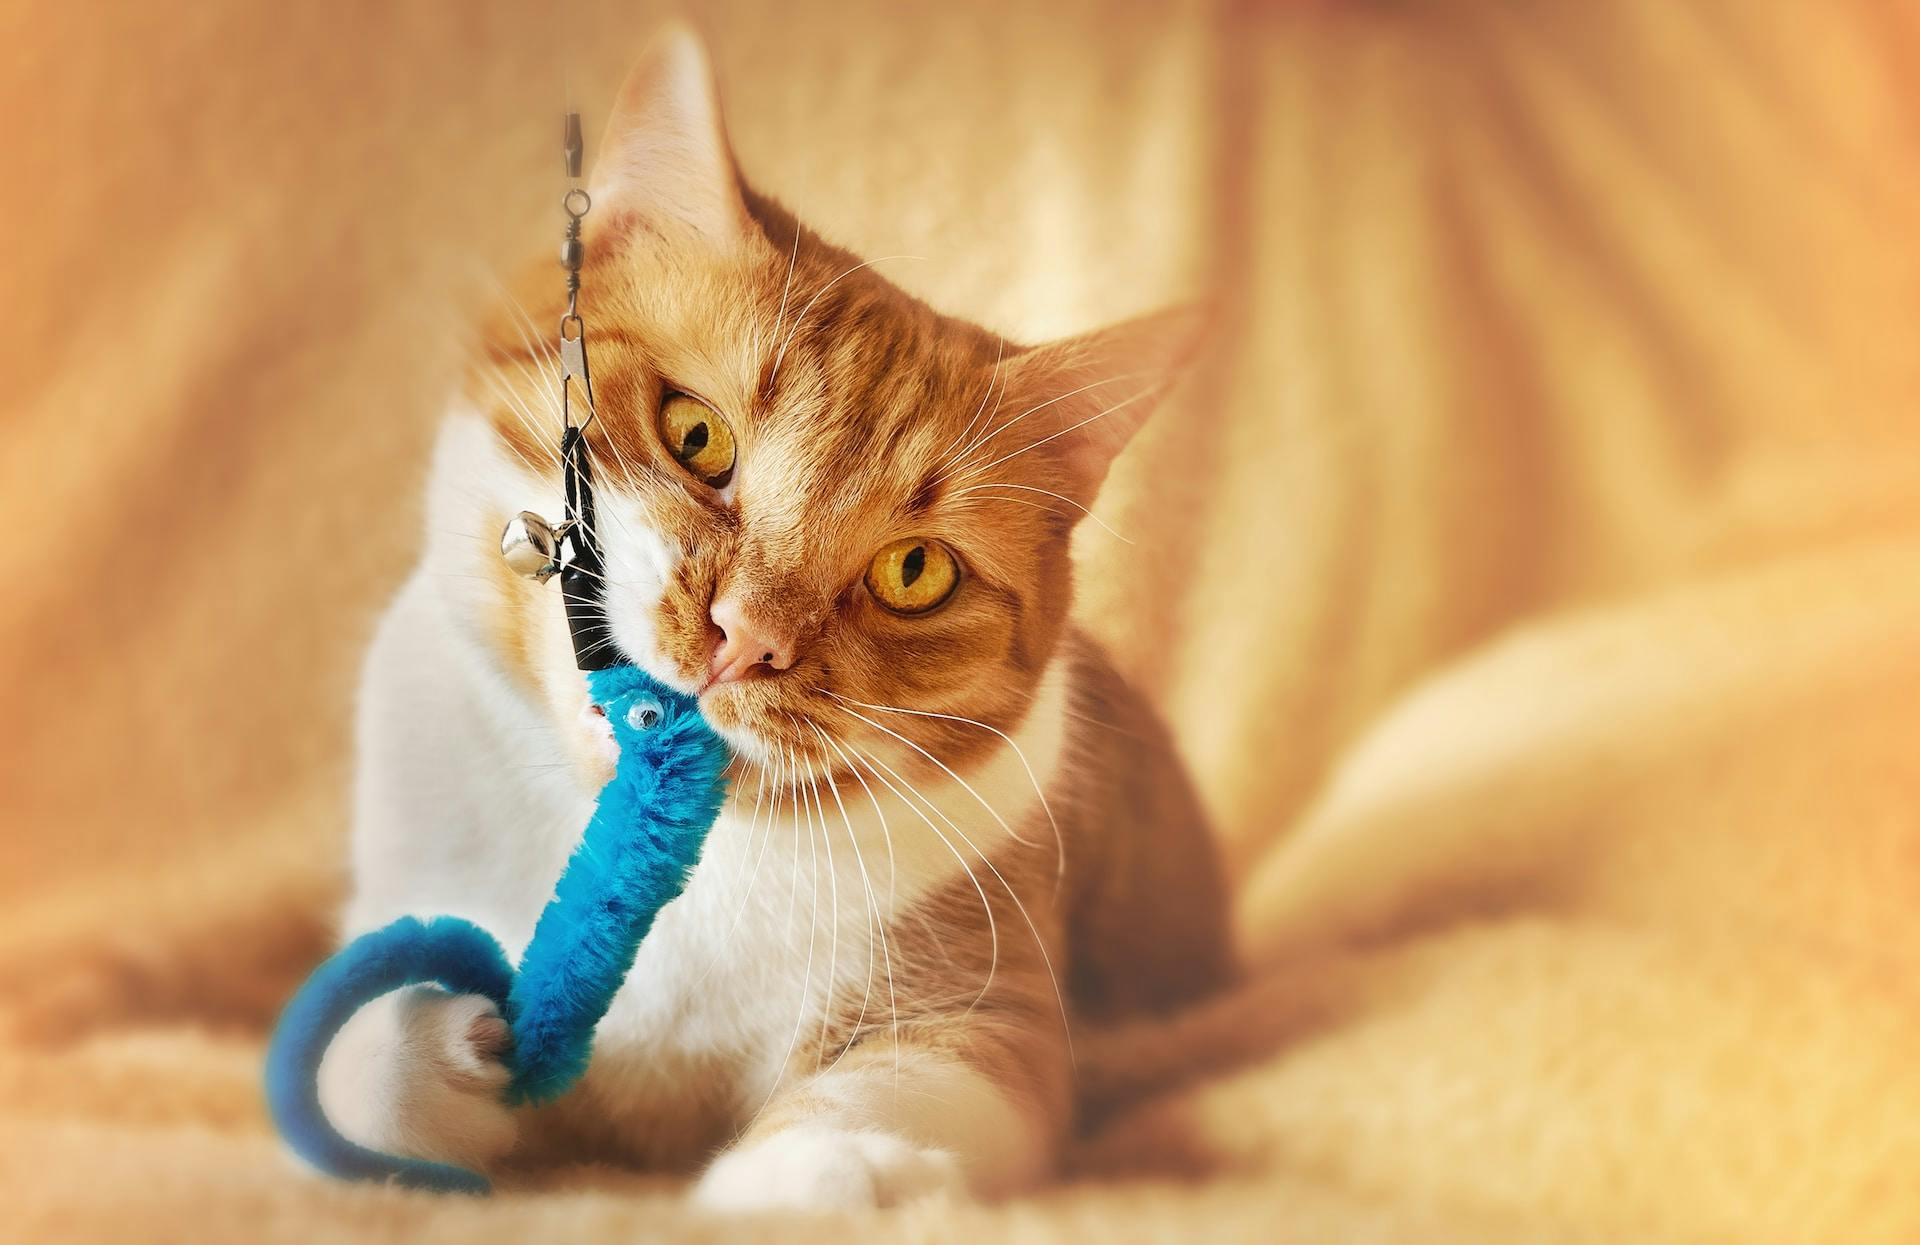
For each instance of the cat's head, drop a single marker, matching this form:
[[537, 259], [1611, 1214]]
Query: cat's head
[[821, 502]]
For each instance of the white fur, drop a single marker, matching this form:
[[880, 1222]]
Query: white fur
[[407, 1075], [468, 802], [824, 1167], [876, 1145]]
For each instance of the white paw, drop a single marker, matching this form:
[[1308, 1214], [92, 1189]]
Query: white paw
[[419, 1072], [816, 1167]]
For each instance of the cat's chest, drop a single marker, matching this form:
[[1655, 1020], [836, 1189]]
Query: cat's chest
[[783, 920], [729, 961]]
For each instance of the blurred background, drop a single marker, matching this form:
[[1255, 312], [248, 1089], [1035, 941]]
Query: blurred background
[[1530, 569]]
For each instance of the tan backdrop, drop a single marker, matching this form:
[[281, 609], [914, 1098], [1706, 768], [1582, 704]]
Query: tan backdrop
[[1531, 570]]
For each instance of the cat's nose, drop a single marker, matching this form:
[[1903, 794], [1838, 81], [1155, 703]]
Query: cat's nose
[[746, 644]]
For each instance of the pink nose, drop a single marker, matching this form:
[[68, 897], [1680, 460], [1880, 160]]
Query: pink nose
[[744, 645]]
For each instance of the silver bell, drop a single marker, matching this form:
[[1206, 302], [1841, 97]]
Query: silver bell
[[530, 546]]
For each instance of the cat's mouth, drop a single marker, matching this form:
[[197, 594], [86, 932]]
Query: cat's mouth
[[746, 716], [720, 680], [769, 729]]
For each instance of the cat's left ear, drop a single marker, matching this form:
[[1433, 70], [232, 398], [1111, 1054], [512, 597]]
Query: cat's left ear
[[664, 156], [1081, 399]]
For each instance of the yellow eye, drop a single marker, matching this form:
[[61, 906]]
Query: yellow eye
[[697, 437], [912, 576]]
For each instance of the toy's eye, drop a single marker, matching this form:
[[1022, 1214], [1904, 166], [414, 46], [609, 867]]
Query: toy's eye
[[698, 437], [912, 576], [644, 713]]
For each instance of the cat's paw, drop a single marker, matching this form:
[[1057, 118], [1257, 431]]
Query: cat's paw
[[821, 1168], [420, 1073]]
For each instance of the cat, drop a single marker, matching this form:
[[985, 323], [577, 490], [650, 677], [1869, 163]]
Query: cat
[[841, 519]]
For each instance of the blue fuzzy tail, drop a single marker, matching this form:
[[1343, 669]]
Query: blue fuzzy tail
[[453, 953]]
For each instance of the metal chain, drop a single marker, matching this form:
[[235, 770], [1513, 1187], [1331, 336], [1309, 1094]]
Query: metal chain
[[576, 203]]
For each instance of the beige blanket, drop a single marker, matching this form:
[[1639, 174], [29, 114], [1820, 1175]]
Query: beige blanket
[[1531, 571]]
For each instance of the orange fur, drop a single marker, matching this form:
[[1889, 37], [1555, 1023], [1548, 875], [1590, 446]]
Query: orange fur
[[863, 416]]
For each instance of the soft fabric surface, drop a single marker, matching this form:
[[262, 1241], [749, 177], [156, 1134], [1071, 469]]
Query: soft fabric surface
[[1531, 570]]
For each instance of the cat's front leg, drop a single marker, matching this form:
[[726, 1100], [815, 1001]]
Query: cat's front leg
[[419, 1072], [887, 1124]]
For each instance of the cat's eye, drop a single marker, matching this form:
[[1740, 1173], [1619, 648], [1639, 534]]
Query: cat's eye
[[698, 438], [912, 576]]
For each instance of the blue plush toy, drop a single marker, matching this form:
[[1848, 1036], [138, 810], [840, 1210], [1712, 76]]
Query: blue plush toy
[[633, 858]]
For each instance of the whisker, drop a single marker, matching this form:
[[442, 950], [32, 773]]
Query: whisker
[[550, 458], [993, 925], [802, 317], [529, 334], [746, 895], [993, 378], [546, 436], [990, 433], [876, 922], [1059, 842], [976, 472], [833, 900], [948, 770], [786, 288], [806, 985], [879, 815], [504, 391], [1028, 488], [609, 495], [1039, 943], [753, 820]]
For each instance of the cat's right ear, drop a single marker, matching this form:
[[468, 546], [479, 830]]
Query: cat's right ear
[[664, 156]]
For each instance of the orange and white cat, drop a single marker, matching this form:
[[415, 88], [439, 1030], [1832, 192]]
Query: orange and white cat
[[842, 519]]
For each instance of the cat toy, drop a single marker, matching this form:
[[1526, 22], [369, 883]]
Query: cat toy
[[633, 858]]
